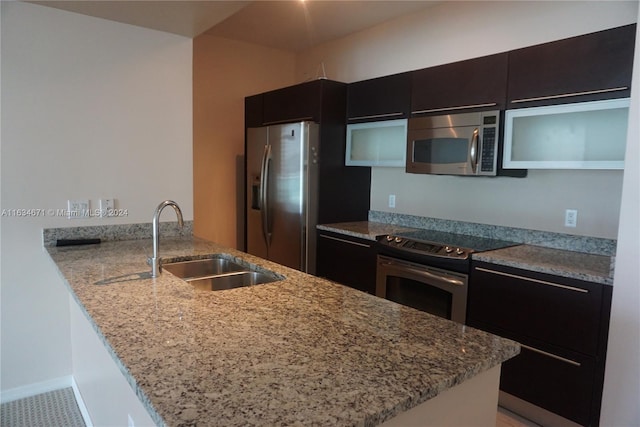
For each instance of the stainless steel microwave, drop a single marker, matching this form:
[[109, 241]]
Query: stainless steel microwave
[[454, 144]]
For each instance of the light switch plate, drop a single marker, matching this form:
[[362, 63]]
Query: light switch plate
[[77, 209]]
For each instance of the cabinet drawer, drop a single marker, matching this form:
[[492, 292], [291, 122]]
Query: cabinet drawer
[[347, 260], [564, 387], [565, 313]]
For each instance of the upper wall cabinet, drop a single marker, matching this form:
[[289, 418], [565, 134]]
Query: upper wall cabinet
[[473, 84], [317, 100], [377, 99], [583, 68], [253, 111]]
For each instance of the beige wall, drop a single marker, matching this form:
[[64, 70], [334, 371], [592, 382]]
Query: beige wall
[[224, 73], [452, 31]]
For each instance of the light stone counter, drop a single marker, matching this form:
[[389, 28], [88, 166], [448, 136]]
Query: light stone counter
[[301, 351], [563, 263], [368, 230], [575, 257]]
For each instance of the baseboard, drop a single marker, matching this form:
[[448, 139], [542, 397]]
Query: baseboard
[[36, 388], [532, 412], [83, 409]]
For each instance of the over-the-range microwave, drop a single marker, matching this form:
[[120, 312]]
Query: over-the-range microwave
[[456, 144]]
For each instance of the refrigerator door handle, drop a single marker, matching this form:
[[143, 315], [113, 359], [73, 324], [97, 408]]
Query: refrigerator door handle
[[264, 194]]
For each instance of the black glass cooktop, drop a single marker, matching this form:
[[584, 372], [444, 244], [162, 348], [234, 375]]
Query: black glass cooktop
[[473, 243]]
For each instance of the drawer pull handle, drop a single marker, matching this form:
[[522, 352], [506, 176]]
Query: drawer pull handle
[[566, 95], [543, 282], [554, 356], [345, 241]]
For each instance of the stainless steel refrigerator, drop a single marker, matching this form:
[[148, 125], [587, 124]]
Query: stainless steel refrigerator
[[282, 193]]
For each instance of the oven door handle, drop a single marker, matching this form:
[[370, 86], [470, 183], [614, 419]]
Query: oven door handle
[[421, 273]]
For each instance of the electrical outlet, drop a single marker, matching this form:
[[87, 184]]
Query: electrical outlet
[[106, 207], [570, 218], [392, 200], [78, 209]]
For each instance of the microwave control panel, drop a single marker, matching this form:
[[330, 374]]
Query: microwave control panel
[[488, 157], [488, 146]]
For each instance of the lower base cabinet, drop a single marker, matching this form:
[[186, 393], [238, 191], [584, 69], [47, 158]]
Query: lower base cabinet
[[561, 365], [347, 260]]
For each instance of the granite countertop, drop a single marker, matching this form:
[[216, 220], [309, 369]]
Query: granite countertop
[[367, 230], [301, 351], [563, 263], [560, 262]]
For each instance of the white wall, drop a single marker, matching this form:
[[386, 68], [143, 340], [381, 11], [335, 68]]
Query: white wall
[[90, 109], [622, 380], [455, 30], [106, 394]]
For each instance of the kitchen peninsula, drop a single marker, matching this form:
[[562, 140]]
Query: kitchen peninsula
[[302, 350]]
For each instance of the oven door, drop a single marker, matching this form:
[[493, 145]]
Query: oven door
[[436, 291], [444, 151]]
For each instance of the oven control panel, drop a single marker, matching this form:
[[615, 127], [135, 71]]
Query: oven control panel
[[425, 248]]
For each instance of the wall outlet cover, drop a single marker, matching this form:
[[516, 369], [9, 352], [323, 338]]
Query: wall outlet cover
[[570, 218], [106, 207]]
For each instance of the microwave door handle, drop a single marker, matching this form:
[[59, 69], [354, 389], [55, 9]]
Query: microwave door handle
[[264, 195], [473, 150]]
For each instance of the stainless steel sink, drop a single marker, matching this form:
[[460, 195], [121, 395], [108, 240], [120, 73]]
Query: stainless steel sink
[[197, 268], [217, 274], [232, 280]]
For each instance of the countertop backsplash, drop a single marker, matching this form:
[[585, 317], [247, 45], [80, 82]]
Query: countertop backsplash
[[585, 244], [115, 232]]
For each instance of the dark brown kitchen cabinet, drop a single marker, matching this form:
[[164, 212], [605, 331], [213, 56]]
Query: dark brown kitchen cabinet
[[382, 98], [474, 84], [562, 325], [347, 260], [253, 111], [584, 68], [312, 101]]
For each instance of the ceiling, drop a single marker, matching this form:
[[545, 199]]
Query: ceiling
[[292, 25]]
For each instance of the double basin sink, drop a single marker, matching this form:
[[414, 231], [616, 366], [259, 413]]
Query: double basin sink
[[218, 273]]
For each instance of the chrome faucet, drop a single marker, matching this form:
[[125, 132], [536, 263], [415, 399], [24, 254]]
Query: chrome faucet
[[154, 261]]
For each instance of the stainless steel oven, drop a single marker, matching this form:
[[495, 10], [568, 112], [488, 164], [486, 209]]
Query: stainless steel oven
[[429, 270], [436, 291]]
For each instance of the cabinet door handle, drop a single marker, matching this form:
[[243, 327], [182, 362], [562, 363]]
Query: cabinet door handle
[[554, 356], [462, 107], [530, 279], [566, 95], [376, 116], [345, 241]]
